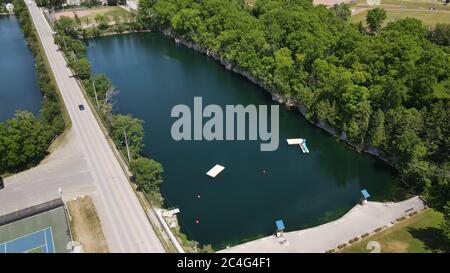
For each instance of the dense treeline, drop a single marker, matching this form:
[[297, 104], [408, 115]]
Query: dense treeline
[[126, 131], [25, 138], [384, 87]]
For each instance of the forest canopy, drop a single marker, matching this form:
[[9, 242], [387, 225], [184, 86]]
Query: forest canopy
[[384, 87]]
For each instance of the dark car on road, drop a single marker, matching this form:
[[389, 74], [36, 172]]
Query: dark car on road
[[2, 185], [81, 106]]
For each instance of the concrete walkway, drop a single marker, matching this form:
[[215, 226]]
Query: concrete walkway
[[359, 220]]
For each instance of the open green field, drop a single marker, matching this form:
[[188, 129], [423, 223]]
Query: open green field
[[418, 234], [408, 4], [107, 11], [429, 18], [400, 9], [90, 14]]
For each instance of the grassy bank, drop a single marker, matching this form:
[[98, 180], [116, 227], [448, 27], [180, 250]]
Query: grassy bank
[[421, 233]]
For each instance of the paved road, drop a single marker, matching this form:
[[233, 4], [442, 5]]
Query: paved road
[[358, 221], [124, 222], [40, 184]]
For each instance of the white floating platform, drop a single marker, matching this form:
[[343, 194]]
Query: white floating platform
[[215, 170], [304, 148], [295, 141]]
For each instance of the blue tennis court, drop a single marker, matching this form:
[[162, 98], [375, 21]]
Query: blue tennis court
[[40, 241]]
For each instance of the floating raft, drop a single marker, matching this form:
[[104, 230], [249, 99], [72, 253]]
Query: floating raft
[[303, 147], [215, 171], [298, 141], [295, 141]]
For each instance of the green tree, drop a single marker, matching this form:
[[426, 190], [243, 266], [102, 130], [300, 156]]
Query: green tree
[[342, 11], [23, 141], [375, 18], [134, 132], [147, 174], [410, 26], [410, 147], [437, 190], [187, 22], [446, 224], [283, 69], [82, 68], [102, 21], [377, 133], [440, 35], [67, 25], [77, 47]]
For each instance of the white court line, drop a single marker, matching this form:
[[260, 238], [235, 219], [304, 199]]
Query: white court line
[[45, 237], [28, 251], [53, 240], [23, 236]]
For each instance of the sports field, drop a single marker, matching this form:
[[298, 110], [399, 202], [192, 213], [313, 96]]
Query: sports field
[[46, 232]]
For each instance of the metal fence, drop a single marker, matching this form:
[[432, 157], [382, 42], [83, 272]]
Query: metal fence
[[31, 211]]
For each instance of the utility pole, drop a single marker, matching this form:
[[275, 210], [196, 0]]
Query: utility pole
[[74, 57], [64, 42], [95, 92], [126, 143]]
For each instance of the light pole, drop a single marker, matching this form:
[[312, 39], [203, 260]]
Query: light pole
[[95, 92], [126, 143], [60, 191]]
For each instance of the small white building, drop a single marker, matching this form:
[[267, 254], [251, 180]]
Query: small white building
[[9, 7], [373, 2], [73, 2]]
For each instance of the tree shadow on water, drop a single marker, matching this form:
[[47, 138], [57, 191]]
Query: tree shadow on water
[[433, 238]]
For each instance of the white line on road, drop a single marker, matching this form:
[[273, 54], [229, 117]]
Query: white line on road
[[126, 226]]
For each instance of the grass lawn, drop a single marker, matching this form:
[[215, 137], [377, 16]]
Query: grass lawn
[[400, 9], [107, 11], [429, 18], [409, 4], [90, 14], [418, 234]]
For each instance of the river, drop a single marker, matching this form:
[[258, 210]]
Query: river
[[19, 88], [256, 188]]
